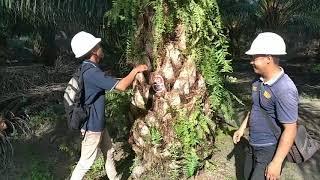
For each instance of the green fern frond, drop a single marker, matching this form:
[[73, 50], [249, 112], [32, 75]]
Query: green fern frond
[[192, 162]]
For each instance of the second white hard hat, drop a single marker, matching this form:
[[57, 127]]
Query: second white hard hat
[[268, 43], [82, 43]]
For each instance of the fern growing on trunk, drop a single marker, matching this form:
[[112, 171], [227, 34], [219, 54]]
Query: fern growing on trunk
[[175, 106]]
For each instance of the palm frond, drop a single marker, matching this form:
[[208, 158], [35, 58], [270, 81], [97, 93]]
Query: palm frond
[[67, 15], [11, 125], [6, 151]]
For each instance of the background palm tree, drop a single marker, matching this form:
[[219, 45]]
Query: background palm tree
[[289, 18], [44, 19]]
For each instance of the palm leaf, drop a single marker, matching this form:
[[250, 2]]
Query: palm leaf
[[61, 14]]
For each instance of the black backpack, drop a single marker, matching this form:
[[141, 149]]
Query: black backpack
[[304, 146], [77, 111]]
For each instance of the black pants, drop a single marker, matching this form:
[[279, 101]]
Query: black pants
[[256, 161]]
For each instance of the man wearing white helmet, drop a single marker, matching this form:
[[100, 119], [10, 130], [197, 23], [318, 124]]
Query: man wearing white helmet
[[96, 82], [274, 109]]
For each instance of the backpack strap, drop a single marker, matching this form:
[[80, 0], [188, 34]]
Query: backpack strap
[[93, 65], [267, 118], [82, 71], [82, 99]]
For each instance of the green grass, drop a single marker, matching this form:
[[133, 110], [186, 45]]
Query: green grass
[[97, 169], [35, 167], [40, 170], [48, 115], [315, 68], [35, 158]]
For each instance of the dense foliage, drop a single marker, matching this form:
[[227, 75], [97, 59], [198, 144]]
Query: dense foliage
[[289, 18], [41, 21]]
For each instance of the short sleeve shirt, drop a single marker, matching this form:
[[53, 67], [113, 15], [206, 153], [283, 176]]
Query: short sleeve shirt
[[96, 82], [280, 100]]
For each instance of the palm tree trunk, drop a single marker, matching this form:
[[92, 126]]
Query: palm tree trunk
[[175, 105], [172, 91]]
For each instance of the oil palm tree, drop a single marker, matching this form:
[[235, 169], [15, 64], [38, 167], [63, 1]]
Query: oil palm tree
[[281, 15], [177, 104], [246, 17], [46, 18]]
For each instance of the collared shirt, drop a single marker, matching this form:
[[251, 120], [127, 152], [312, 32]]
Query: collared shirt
[[96, 82], [279, 98], [274, 79]]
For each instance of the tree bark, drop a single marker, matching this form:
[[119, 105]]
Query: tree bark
[[175, 85]]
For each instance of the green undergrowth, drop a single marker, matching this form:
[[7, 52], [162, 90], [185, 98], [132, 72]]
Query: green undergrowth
[[117, 114]]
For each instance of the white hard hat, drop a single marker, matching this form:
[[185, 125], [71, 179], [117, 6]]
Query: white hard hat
[[82, 43], [267, 43]]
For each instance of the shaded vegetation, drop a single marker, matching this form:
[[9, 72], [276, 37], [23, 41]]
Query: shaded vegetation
[[292, 19]]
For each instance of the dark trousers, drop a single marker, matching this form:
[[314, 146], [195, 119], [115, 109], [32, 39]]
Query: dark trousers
[[256, 161]]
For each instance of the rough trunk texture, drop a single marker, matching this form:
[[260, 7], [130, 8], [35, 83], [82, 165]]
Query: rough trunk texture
[[174, 85]]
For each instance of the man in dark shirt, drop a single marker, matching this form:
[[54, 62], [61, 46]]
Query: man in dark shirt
[[96, 82], [275, 98]]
